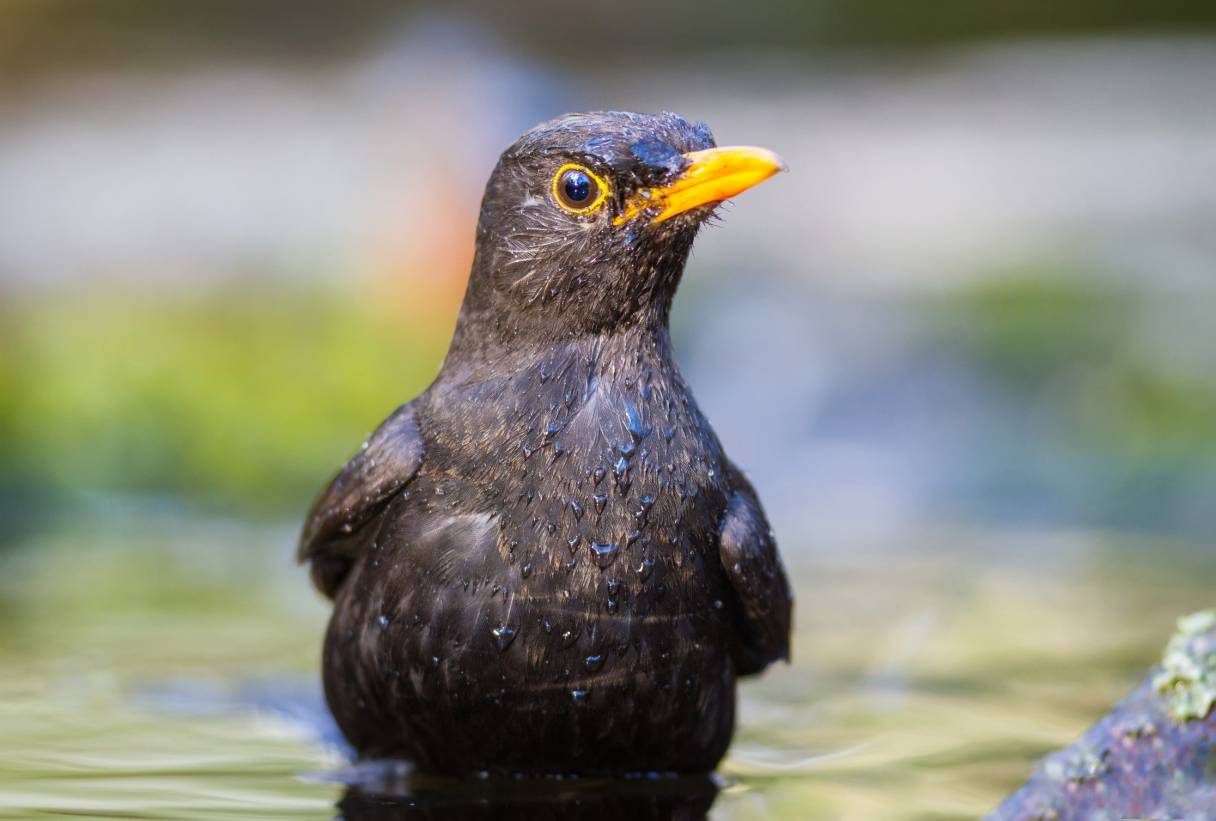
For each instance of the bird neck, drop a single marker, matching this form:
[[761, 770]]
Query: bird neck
[[482, 348], [513, 314], [497, 332]]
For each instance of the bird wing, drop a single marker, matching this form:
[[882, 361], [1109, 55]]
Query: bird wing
[[387, 462], [748, 552]]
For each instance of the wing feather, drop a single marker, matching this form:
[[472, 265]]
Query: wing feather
[[749, 556], [385, 464]]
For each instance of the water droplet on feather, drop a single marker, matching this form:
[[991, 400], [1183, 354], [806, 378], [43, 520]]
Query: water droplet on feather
[[503, 636], [605, 554], [633, 421]]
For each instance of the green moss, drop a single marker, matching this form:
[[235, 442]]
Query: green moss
[[1188, 670], [1078, 764]]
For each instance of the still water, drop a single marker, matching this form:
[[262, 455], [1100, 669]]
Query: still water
[[159, 666]]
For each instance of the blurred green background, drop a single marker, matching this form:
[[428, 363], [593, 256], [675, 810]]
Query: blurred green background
[[972, 330]]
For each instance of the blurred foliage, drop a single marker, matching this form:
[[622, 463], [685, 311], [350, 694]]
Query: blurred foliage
[[1084, 346], [247, 401], [1028, 325], [239, 400], [42, 34]]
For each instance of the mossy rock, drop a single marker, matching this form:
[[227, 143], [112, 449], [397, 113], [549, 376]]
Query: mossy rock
[[1152, 756]]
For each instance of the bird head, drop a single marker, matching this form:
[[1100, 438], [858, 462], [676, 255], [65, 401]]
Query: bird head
[[588, 219]]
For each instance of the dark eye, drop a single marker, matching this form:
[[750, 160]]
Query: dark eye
[[577, 189]]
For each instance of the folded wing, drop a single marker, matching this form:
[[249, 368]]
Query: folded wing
[[389, 459], [748, 553]]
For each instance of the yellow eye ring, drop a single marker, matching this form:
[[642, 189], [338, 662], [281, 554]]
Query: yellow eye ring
[[579, 190]]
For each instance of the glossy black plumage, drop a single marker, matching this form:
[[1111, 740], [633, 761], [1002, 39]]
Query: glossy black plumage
[[545, 562]]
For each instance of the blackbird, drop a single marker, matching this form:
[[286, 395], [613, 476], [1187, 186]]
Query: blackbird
[[545, 563]]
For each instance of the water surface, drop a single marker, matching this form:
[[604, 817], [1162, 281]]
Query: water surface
[[165, 667]]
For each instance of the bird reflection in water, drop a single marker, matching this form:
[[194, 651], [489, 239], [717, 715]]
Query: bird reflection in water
[[685, 798]]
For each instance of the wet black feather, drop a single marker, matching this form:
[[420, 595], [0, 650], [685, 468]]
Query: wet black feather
[[545, 562]]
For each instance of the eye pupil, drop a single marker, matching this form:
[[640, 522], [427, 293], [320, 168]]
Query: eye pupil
[[577, 187]]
